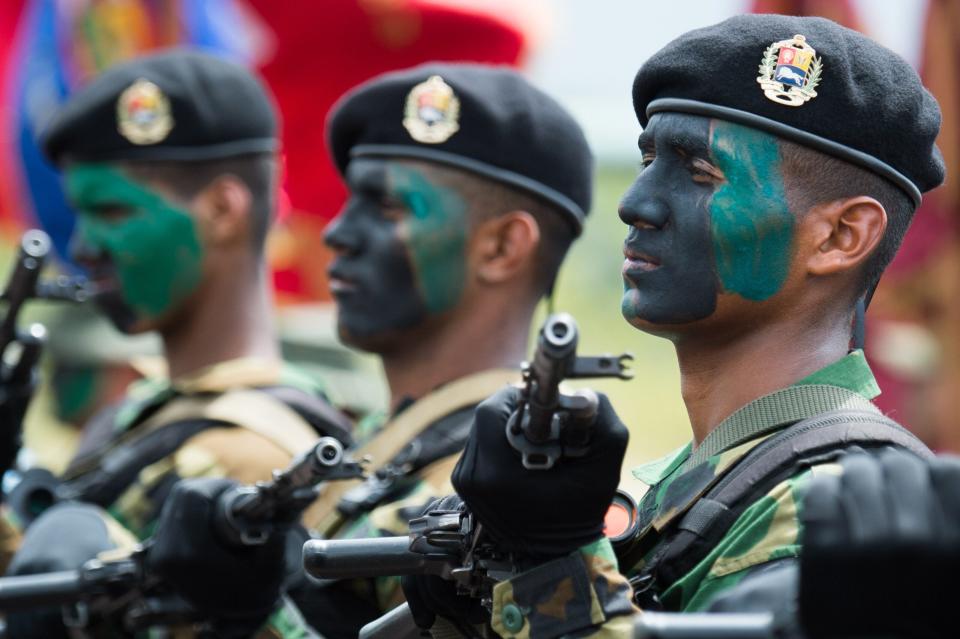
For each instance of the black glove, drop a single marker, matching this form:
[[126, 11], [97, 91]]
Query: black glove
[[881, 548], [538, 514], [64, 538], [236, 586], [430, 596]]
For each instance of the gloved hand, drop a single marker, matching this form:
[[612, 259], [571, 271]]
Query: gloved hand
[[47, 548], [430, 596], [881, 548], [236, 586], [538, 514]]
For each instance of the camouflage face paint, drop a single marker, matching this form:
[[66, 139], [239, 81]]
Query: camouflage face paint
[[435, 232], [400, 240], [751, 224], [151, 244]]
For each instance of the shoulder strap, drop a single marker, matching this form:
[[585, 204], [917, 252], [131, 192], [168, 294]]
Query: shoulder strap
[[385, 445], [104, 477], [815, 440]]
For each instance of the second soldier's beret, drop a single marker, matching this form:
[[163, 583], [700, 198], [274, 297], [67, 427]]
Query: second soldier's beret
[[483, 119], [178, 104], [807, 80]]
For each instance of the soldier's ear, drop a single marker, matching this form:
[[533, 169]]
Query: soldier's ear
[[503, 247], [843, 234], [224, 210]]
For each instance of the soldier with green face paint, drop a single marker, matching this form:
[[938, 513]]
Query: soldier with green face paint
[[466, 188], [783, 158], [170, 162]]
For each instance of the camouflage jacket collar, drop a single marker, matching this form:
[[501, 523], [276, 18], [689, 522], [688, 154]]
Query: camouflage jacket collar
[[680, 478]]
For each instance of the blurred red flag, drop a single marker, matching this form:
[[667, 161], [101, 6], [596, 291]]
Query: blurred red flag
[[322, 49]]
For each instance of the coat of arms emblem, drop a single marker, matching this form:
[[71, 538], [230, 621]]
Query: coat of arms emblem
[[790, 71], [143, 113], [432, 111]]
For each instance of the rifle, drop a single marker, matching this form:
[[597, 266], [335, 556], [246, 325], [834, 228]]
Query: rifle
[[547, 426], [245, 516], [20, 349]]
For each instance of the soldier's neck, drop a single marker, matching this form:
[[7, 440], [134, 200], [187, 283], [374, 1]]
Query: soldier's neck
[[460, 347], [719, 376], [230, 320]]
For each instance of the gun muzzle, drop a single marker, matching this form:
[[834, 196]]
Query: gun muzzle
[[376, 557]]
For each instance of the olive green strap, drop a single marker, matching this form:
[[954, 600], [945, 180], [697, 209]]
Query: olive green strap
[[773, 411]]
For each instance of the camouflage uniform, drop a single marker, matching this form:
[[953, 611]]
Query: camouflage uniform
[[587, 595]]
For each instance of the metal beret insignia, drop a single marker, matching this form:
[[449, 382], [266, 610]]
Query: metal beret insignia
[[143, 113], [432, 111], [790, 71]]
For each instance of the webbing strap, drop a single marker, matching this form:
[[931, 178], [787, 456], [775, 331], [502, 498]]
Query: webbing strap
[[771, 412], [384, 446], [701, 515]]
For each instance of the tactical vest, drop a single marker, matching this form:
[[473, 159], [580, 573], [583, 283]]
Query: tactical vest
[[689, 537]]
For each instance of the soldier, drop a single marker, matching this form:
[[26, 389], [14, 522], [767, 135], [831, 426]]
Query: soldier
[[467, 187], [765, 211], [170, 162]]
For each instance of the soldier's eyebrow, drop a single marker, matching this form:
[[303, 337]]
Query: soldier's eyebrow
[[688, 145]]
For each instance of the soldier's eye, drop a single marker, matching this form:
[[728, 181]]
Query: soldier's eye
[[705, 172]]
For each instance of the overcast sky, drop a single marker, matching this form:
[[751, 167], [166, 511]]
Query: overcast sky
[[594, 47]]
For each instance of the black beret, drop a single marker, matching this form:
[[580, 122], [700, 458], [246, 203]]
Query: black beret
[[179, 104], [483, 119], [831, 89]]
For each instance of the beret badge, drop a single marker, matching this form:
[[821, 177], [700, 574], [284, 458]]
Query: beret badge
[[432, 111], [143, 113], [790, 71]]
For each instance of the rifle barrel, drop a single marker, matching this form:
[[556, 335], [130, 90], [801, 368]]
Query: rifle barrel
[[52, 588], [351, 558]]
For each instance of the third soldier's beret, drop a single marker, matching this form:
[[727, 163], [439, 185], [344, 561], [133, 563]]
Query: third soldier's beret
[[178, 104], [483, 119], [807, 80]]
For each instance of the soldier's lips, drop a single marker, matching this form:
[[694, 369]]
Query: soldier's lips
[[637, 262], [339, 284]]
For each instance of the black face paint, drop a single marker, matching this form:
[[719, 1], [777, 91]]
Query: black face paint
[[400, 240], [669, 273]]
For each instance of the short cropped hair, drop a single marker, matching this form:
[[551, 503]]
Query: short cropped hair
[[487, 199], [813, 178], [258, 171]]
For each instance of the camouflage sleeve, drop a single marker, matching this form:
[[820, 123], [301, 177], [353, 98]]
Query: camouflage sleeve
[[286, 622], [768, 531], [580, 595]]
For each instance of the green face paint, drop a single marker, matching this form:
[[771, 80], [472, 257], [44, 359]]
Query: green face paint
[[435, 233], [74, 390], [751, 224], [152, 244]]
